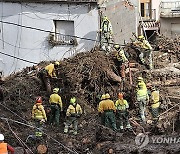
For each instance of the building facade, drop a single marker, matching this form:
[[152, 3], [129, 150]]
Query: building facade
[[149, 18], [170, 18], [32, 31]]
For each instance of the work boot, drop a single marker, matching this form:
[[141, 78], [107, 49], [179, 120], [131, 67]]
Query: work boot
[[71, 131], [75, 132], [121, 130], [65, 129]]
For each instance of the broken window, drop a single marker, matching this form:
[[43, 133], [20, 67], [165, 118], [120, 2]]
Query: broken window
[[63, 34]]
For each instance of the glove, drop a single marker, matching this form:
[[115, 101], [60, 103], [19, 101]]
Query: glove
[[61, 109], [42, 121], [78, 115]]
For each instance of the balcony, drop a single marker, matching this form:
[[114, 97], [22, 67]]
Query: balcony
[[148, 14], [170, 9], [59, 39]]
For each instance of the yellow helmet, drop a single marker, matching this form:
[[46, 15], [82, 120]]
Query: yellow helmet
[[141, 37], [116, 47], [103, 97], [1, 137], [56, 90], [56, 63], [73, 100], [105, 18], [140, 78], [107, 96], [120, 95]]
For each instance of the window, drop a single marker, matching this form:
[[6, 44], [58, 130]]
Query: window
[[64, 33], [142, 9], [145, 10]]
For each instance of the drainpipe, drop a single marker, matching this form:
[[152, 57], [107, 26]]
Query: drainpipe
[[100, 22]]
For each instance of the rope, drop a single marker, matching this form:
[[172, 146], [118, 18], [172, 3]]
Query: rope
[[18, 138], [13, 112], [31, 126], [42, 132]]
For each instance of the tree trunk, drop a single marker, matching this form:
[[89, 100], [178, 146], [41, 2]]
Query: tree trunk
[[113, 76]]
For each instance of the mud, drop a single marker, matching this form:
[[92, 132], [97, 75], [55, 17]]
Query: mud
[[85, 77]]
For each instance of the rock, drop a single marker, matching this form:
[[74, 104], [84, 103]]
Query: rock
[[111, 151]]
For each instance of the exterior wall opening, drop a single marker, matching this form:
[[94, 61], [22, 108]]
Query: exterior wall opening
[[150, 35], [64, 32]]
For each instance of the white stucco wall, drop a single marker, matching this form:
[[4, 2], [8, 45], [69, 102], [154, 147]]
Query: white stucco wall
[[31, 44], [170, 21], [156, 6]]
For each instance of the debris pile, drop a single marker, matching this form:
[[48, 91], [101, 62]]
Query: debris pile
[[87, 75], [168, 45]]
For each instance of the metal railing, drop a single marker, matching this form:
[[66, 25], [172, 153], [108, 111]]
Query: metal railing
[[59, 39], [64, 39], [167, 8], [148, 14]]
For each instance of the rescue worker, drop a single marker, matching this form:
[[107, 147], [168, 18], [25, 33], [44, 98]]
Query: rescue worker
[[56, 106], [122, 59], [146, 51], [48, 72], [4, 147], [140, 81], [103, 97], [106, 34], [154, 101], [107, 108], [39, 116], [122, 113], [142, 99], [73, 112]]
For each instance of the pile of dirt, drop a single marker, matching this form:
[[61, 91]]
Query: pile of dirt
[[87, 77], [168, 45]]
